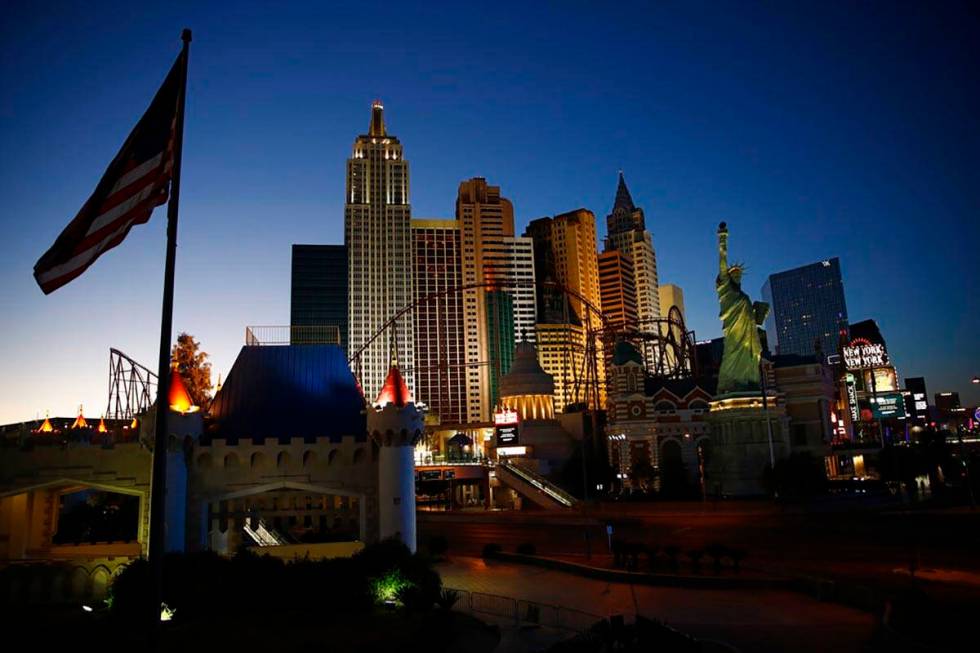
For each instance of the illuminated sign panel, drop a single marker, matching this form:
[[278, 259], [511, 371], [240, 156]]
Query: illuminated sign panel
[[505, 417], [852, 398], [506, 436], [860, 355], [885, 380], [505, 427], [889, 406]]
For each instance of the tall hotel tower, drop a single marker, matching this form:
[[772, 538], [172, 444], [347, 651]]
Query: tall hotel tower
[[565, 252], [377, 233], [495, 315], [626, 233]]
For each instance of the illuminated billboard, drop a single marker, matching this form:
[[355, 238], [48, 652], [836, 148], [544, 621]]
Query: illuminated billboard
[[885, 380], [862, 354], [889, 406], [506, 427]]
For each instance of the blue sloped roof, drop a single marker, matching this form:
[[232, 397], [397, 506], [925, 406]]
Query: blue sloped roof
[[288, 391]]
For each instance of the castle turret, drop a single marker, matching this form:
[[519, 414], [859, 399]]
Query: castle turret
[[396, 425]]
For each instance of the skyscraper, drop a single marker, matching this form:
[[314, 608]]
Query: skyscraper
[[617, 289], [377, 233], [511, 260], [501, 340], [440, 370], [565, 253], [807, 306], [672, 295], [626, 232], [493, 316], [318, 292]]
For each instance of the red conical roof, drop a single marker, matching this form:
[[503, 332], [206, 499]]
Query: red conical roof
[[395, 390], [178, 397]]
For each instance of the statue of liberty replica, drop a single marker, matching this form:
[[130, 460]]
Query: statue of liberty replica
[[740, 319], [749, 426]]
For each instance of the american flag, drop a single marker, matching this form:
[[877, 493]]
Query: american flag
[[136, 182]]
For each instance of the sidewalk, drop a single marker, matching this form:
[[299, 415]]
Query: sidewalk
[[751, 621]]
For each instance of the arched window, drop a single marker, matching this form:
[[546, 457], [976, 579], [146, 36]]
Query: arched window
[[332, 456], [665, 407], [699, 406], [231, 460], [309, 459], [282, 460], [258, 460], [359, 455]]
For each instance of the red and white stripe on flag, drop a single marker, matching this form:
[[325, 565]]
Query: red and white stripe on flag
[[136, 182]]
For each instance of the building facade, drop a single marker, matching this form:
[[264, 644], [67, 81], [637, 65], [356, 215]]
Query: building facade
[[617, 290], [627, 233], [377, 233], [672, 295], [565, 254], [511, 261], [658, 431], [807, 307], [318, 292], [440, 338], [493, 316]]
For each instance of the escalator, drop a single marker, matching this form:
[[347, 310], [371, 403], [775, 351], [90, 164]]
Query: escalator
[[262, 535], [534, 487]]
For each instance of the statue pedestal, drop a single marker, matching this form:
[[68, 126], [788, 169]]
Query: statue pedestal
[[739, 453]]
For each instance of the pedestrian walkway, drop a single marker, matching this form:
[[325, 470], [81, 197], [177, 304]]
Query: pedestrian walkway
[[757, 620]]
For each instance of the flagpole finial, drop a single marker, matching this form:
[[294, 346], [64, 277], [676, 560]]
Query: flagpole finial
[[185, 36]]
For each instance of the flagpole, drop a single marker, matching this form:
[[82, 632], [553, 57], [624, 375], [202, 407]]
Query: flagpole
[[158, 486]]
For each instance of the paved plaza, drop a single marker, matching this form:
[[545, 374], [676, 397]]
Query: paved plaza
[[755, 620]]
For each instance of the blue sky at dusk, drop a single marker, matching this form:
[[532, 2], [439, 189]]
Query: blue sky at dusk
[[814, 131]]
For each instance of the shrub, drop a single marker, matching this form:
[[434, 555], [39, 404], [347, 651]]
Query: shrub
[[415, 599], [526, 548], [737, 556], [695, 556], [447, 599], [437, 545], [205, 584], [716, 552], [389, 586], [491, 549], [651, 550], [631, 555], [617, 551]]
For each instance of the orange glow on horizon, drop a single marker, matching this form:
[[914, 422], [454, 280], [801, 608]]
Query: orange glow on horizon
[[45, 426], [102, 428]]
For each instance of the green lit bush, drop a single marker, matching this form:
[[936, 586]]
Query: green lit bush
[[387, 588]]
